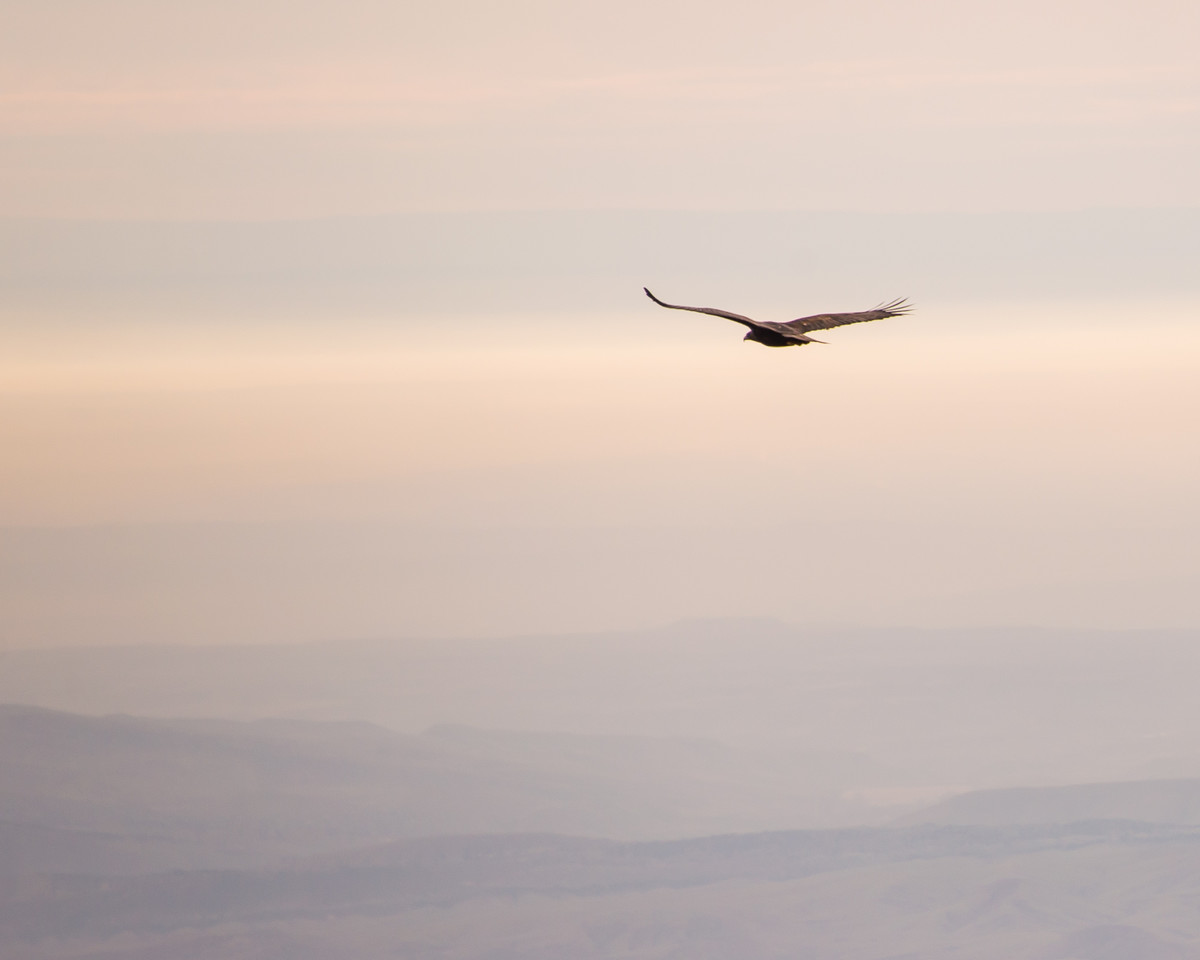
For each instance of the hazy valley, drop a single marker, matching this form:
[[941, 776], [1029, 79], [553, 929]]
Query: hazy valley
[[541, 797]]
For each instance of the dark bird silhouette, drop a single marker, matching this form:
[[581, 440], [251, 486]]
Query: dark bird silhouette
[[793, 333]]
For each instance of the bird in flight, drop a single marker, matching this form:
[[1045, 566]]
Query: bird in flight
[[793, 333]]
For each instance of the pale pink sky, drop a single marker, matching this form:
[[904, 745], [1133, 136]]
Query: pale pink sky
[[131, 108], [974, 464], [1026, 456]]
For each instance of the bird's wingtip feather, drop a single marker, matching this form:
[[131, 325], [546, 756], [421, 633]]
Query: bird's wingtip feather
[[896, 307]]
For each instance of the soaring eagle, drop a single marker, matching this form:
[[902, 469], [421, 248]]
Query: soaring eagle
[[792, 333]]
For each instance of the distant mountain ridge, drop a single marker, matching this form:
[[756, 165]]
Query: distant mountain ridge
[[127, 838], [1149, 801], [142, 794], [847, 693], [409, 878]]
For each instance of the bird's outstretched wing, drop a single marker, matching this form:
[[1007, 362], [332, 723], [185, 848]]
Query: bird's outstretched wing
[[711, 311], [823, 321]]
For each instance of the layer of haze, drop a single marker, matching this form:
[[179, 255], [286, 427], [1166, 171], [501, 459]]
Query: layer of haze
[[382, 449], [265, 109]]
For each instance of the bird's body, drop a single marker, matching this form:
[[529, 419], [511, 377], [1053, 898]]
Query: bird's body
[[794, 332]]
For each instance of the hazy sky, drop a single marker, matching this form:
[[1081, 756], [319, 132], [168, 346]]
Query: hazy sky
[[287, 432], [269, 109]]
